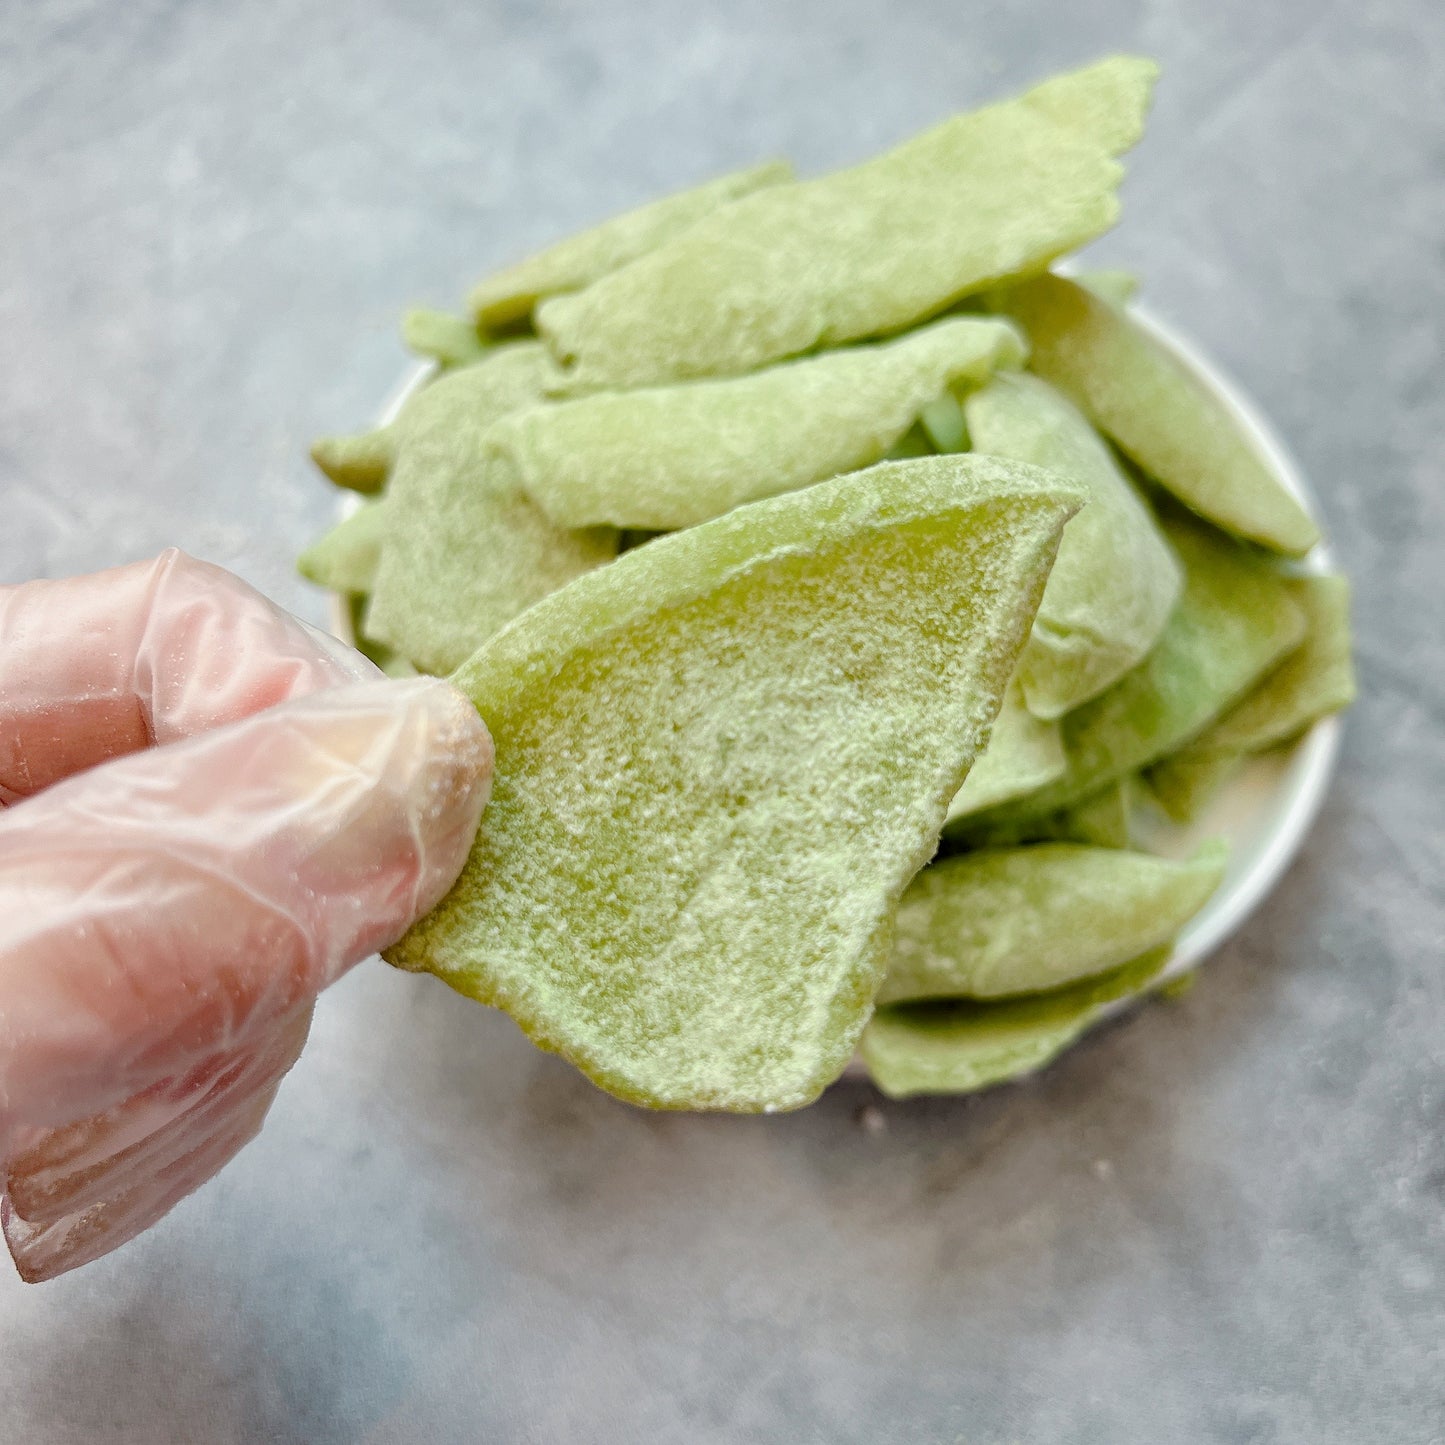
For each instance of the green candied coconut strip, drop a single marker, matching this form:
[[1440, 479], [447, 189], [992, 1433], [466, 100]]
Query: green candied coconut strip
[[1158, 412], [1106, 101], [391, 662], [449, 340], [1102, 820], [1235, 621], [1116, 581], [465, 400], [1187, 782], [1118, 288], [1317, 679], [466, 548], [510, 295], [720, 761], [670, 457], [943, 420], [1010, 921], [1023, 754], [984, 196], [915, 442], [958, 1046], [345, 558], [361, 463]]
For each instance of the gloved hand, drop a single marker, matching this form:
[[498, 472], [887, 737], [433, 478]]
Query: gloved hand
[[208, 812]]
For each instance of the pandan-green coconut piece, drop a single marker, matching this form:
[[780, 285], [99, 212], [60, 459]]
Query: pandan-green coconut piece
[[360, 462], [985, 196], [668, 457], [391, 662], [1116, 580], [1024, 920], [448, 340], [943, 420], [957, 1046], [720, 761], [1024, 753], [1117, 287], [345, 559], [1185, 783], [1158, 412], [466, 548], [1104, 819], [1317, 679], [509, 296], [465, 400]]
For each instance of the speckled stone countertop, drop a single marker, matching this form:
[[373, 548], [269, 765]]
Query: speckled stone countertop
[[1222, 1219]]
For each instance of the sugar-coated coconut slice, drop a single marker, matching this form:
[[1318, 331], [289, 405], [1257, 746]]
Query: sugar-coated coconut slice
[[1007, 921], [720, 761], [985, 196]]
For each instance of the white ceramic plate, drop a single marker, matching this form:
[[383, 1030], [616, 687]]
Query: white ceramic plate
[[1266, 810]]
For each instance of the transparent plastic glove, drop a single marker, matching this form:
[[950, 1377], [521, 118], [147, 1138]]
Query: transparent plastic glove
[[208, 812]]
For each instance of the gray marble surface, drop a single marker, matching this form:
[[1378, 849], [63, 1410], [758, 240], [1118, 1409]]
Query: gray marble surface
[[1222, 1219]]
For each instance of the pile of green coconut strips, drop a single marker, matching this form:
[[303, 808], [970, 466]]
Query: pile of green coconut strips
[[838, 582]]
